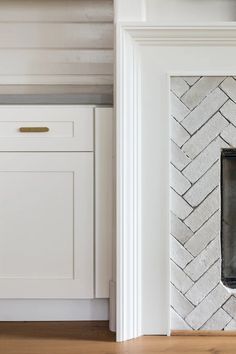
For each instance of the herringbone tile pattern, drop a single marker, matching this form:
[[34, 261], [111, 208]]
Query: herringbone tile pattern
[[203, 122]]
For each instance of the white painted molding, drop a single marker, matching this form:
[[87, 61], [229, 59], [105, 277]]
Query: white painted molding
[[223, 34], [128, 190], [190, 11], [129, 253], [131, 10], [54, 310], [112, 306], [98, 80]]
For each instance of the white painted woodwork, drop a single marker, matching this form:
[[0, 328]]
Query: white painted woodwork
[[46, 229], [56, 80], [56, 62], [112, 306], [128, 209], [189, 11], [56, 35], [70, 128], [56, 42], [50, 196], [49, 98], [148, 56], [54, 309], [130, 11], [56, 11], [66, 91], [104, 199]]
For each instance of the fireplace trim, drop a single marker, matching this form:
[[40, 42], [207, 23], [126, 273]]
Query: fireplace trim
[[128, 86]]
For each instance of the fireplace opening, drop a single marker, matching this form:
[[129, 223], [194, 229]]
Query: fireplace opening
[[228, 217]]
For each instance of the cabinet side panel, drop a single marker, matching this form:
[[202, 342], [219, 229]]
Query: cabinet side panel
[[103, 200]]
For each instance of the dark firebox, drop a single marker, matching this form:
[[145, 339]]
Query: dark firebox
[[228, 217]]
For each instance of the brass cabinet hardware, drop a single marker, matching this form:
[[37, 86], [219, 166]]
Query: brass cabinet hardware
[[34, 129]]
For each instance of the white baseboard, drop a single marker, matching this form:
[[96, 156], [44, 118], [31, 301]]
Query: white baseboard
[[54, 310], [112, 306]]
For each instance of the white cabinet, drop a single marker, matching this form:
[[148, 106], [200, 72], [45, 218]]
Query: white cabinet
[[48, 248], [46, 225], [66, 128]]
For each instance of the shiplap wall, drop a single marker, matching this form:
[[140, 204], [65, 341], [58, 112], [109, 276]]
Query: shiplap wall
[[56, 46]]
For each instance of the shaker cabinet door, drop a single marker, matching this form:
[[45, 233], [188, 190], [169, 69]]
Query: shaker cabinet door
[[46, 225]]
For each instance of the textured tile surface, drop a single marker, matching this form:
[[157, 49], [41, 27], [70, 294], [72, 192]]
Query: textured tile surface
[[204, 285], [204, 211], [179, 278], [178, 157], [208, 232], [179, 86], [204, 160], [229, 87], [200, 264], [204, 111], [230, 306], [178, 134], [229, 135], [179, 254], [191, 79], [209, 126], [229, 111], [180, 304], [179, 230], [178, 110], [204, 186], [206, 309], [177, 321], [179, 206], [205, 135], [218, 321], [231, 326], [177, 181], [200, 90]]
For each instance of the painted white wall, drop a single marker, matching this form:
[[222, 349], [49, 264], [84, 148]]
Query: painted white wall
[[189, 11]]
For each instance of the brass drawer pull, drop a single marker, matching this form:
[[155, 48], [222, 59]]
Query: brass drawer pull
[[34, 129]]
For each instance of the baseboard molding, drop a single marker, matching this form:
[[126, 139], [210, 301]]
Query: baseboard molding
[[112, 307], [54, 310], [204, 333]]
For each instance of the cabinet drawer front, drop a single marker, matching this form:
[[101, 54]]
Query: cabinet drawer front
[[46, 128]]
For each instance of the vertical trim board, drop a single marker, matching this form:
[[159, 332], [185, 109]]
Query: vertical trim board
[[103, 200]]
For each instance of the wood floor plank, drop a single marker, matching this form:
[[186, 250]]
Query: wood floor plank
[[95, 338], [204, 333]]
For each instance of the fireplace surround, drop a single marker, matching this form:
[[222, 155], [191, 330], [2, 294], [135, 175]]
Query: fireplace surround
[[148, 56], [203, 132]]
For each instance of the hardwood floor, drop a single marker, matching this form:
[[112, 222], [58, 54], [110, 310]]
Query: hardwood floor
[[95, 338]]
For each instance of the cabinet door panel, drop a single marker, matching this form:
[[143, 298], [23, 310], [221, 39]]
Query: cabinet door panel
[[46, 225]]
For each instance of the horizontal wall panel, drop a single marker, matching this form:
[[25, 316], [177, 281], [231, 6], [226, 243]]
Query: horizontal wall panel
[[58, 99], [56, 80], [54, 62], [56, 89], [56, 35], [57, 46], [56, 11]]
